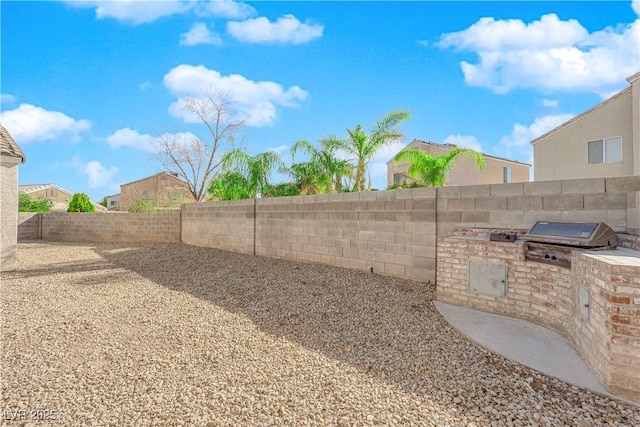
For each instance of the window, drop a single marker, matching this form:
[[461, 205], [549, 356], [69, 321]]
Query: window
[[399, 178], [506, 175], [607, 150]]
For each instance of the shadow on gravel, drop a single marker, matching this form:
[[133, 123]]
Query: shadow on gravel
[[384, 327]]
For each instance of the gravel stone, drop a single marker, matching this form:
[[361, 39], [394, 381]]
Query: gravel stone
[[161, 334]]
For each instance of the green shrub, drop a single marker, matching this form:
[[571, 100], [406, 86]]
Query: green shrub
[[28, 204], [80, 202], [141, 206]]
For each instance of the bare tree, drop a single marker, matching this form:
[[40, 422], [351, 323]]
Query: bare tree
[[193, 159]]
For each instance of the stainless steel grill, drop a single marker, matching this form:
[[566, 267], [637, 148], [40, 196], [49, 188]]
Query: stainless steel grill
[[551, 242]]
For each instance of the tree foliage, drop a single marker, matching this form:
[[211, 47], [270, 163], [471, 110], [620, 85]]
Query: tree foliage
[[362, 146], [26, 203], [324, 171], [245, 176], [80, 202], [433, 170], [195, 160]]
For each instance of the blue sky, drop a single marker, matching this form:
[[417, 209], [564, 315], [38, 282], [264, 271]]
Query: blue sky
[[86, 85]]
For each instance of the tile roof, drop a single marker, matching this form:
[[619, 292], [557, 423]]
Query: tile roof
[[171, 174], [9, 146], [32, 188], [451, 146]]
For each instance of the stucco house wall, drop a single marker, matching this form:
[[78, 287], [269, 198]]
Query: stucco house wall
[[562, 153], [10, 157], [151, 188], [113, 202], [465, 171]]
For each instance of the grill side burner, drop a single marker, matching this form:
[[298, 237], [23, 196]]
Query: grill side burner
[[549, 254], [551, 242]]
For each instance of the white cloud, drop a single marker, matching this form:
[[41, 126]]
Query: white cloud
[[134, 11], [6, 99], [635, 5], [98, 175], [286, 30], [466, 141], [29, 123], [253, 101], [551, 103], [126, 137], [279, 149], [518, 141], [225, 9], [145, 11], [548, 54], [199, 34]]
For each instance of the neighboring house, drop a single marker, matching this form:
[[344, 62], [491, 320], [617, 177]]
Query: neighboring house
[[11, 156], [602, 142], [496, 170], [57, 195], [160, 189], [113, 202]]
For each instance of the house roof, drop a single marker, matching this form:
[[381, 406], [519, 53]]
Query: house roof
[[32, 188], [9, 146], [452, 146], [607, 101], [584, 114], [171, 174]]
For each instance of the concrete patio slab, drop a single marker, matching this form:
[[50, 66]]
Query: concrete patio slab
[[532, 345]]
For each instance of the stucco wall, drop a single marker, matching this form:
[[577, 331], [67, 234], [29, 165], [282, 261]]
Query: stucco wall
[[563, 154], [154, 188], [8, 212]]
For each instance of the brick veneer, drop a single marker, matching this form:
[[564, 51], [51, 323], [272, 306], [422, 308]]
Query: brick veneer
[[608, 340]]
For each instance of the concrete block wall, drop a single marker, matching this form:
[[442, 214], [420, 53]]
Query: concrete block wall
[[227, 225], [520, 205], [114, 227], [387, 232], [29, 226]]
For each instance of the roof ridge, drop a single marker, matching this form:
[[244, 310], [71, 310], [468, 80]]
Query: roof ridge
[[449, 145]]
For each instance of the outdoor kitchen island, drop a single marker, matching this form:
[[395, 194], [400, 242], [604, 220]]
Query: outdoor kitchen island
[[590, 296]]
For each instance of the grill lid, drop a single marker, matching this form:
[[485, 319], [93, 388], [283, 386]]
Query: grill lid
[[579, 234]]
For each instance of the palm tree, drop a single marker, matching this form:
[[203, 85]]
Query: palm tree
[[363, 147], [246, 176], [323, 172], [433, 170], [230, 186]]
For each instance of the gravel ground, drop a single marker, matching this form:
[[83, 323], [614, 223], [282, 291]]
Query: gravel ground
[[116, 334]]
